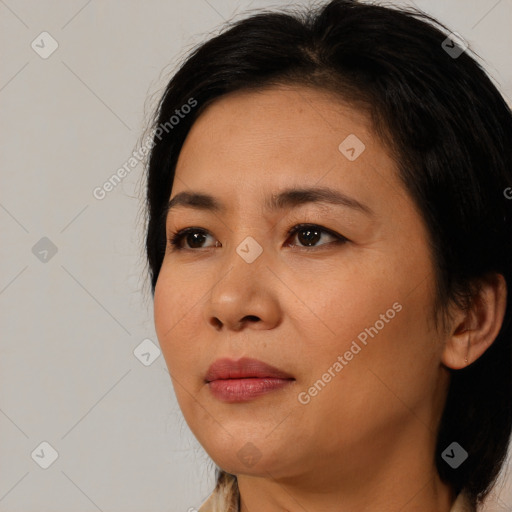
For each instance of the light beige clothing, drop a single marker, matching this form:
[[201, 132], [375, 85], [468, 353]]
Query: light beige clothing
[[462, 504], [217, 503]]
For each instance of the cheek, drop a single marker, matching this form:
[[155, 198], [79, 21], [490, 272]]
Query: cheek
[[377, 322], [340, 305], [390, 374], [173, 310], [400, 357]]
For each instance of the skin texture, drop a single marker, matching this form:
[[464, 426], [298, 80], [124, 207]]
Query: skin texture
[[366, 441]]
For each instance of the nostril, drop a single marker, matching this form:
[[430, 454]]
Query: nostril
[[216, 323]]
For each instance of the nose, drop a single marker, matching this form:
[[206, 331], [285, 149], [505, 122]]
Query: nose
[[246, 296]]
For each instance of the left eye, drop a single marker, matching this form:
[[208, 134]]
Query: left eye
[[308, 235]]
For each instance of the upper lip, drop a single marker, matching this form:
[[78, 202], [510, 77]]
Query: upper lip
[[245, 367]]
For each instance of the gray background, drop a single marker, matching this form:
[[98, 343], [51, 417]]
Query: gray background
[[71, 319]]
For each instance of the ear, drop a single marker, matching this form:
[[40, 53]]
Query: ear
[[472, 332]]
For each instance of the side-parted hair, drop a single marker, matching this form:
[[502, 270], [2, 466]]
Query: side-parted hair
[[449, 131]]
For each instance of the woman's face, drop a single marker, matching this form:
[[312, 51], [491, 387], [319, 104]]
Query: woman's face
[[349, 321]]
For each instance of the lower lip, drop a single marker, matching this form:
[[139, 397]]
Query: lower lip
[[242, 390]]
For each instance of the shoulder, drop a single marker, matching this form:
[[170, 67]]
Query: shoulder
[[220, 500], [207, 506], [225, 497]]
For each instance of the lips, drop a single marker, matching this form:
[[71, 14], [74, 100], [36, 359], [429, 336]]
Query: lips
[[243, 368]]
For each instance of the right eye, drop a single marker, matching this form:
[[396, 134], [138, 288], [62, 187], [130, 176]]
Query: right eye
[[193, 236]]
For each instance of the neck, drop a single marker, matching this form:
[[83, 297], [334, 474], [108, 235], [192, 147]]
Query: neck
[[377, 476], [277, 496]]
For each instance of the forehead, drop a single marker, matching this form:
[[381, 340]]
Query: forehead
[[280, 137], [276, 119]]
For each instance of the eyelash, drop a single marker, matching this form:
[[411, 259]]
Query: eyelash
[[175, 238]]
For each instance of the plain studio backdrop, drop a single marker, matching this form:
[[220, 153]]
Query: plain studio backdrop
[[88, 417]]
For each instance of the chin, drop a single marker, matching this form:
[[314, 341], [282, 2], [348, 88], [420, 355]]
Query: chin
[[247, 457]]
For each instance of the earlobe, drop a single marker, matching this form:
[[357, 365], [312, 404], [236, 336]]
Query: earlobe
[[467, 353], [474, 331]]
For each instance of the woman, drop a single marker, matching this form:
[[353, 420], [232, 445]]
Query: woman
[[329, 241]]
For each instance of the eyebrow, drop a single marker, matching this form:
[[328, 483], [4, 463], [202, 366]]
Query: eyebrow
[[289, 198]]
